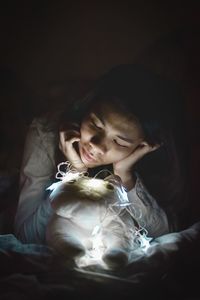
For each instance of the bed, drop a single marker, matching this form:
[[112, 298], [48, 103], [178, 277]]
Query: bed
[[167, 270]]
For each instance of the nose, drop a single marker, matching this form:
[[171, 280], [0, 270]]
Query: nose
[[98, 145]]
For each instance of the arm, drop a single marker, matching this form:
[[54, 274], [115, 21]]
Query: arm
[[68, 137], [144, 207], [124, 168], [146, 210], [36, 172]]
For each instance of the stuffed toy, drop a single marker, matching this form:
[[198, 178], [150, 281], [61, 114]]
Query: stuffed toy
[[92, 223]]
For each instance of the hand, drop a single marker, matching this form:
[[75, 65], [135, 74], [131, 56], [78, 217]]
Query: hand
[[68, 138], [123, 168]]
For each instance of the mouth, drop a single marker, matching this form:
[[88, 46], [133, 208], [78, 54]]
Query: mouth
[[87, 156]]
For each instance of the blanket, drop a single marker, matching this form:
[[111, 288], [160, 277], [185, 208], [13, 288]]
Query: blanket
[[168, 270]]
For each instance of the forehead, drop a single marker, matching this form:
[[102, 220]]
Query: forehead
[[116, 118]]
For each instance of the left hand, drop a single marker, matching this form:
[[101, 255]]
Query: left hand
[[68, 137], [123, 168]]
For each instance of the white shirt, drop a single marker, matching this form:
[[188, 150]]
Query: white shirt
[[37, 173]]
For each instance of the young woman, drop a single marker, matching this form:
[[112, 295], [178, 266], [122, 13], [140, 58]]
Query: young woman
[[124, 124]]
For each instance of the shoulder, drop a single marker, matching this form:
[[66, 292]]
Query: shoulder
[[47, 122], [42, 136], [46, 125]]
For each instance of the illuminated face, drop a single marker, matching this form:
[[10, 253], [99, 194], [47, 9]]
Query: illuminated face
[[108, 135]]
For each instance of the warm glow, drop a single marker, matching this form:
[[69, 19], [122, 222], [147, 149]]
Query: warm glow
[[95, 183], [96, 249], [94, 255]]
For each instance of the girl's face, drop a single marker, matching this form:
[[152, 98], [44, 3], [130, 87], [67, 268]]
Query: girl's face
[[108, 135]]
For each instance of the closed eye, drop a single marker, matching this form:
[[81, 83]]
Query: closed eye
[[118, 144]]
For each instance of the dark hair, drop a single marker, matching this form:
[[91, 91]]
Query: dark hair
[[135, 89], [158, 104]]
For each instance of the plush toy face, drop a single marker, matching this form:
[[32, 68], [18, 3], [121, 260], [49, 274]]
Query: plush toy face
[[83, 190], [91, 223]]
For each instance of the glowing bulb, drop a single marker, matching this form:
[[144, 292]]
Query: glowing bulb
[[94, 183], [95, 253]]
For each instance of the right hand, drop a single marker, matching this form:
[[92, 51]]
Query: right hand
[[68, 138]]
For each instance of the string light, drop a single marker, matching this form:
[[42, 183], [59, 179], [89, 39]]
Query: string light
[[121, 205]]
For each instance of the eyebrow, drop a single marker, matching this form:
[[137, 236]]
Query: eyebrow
[[125, 139], [119, 136]]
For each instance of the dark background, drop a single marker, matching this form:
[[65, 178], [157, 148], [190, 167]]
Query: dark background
[[46, 41], [51, 51]]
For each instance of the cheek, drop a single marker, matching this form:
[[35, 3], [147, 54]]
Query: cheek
[[85, 132], [117, 154], [120, 154]]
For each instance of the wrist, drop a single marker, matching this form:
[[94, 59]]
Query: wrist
[[128, 179]]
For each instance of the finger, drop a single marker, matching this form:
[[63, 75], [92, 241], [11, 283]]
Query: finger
[[72, 153], [155, 147], [64, 142], [140, 152], [67, 139], [69, 134], [74, 158], [62, 136], [144, 150], [149, 147], [67, 148], [73, 139]]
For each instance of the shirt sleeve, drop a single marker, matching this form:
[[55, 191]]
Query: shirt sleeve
[[146, 210], [37, 169]]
